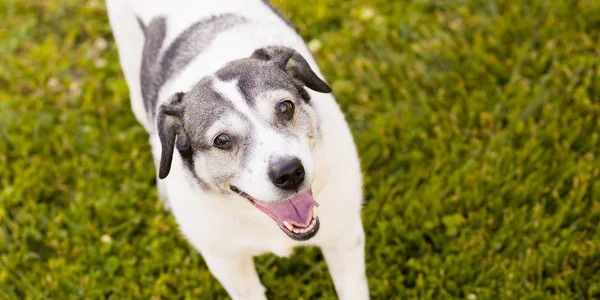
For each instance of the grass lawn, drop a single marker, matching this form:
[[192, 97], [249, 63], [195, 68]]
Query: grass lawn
[[477, 121]]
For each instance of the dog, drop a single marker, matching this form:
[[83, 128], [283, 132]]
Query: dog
[[253, 154]]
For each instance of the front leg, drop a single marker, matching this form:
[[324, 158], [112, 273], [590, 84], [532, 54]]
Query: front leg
[[346, 262], [237, 274]]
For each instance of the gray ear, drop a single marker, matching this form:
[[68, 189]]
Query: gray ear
[[169, 127], [294, 64]]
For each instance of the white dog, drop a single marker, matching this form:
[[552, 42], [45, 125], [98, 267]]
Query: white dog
[[247, 140]]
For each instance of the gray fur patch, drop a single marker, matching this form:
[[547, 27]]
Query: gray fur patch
[[150, 73], [203, 107], [195, 39], [255, 77], [156, 69]]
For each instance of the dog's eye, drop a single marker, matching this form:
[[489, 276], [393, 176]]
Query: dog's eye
[[286, 107], [222, 141]]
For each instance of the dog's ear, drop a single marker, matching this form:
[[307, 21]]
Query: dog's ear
[[294, 64], [170, 127]]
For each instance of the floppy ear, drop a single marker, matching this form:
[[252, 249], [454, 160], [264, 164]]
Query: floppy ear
[[294, 64], [169, 127]]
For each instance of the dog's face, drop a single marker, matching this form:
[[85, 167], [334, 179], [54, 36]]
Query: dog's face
[[249, 132]]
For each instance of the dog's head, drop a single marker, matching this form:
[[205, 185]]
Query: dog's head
[[249, 131]]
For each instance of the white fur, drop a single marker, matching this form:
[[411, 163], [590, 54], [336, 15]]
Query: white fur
[[229, 232]]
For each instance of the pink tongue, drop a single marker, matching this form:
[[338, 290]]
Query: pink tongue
[[296, 211]]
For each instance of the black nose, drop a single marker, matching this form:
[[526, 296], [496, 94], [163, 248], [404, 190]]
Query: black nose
[[287, 173]]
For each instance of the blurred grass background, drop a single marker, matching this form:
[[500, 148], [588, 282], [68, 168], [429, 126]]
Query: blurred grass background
[[477, 121]]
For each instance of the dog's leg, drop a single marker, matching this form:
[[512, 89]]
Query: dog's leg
[[346, 262], [237, 274]]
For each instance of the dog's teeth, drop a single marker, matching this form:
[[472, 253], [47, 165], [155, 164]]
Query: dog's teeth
[[314, 212], [296, 230], [288, 225]]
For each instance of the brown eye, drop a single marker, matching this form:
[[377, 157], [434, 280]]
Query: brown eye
[[286, 107], [222, 141]]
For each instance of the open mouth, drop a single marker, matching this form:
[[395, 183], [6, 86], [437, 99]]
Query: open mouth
[[297, 216]]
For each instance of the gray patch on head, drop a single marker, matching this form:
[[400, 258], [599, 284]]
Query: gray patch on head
[[254, 77], [278, 13], [156, 69], [203, 107]]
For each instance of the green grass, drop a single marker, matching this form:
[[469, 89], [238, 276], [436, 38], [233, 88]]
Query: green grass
[[477, 121]]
